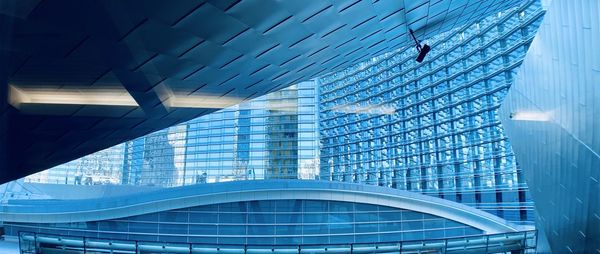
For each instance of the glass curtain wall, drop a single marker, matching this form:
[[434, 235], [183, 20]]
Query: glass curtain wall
[[270, 137], [266, 222], [433, 127]]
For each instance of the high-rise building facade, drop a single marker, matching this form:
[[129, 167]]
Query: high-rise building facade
[[103, 167], [270, 137], [433, 127]]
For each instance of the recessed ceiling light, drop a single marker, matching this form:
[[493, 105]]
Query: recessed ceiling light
[[201, 101], [531, 116], [70, 96]]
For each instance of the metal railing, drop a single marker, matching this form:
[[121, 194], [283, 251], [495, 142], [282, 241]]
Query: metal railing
[[523, 242]]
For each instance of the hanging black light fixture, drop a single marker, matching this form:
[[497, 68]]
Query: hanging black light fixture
[[423, 50]]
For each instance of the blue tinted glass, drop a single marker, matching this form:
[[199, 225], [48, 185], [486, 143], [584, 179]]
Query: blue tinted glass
[[208, 230], [432, 127], [203, 217], [232, 229], [315, 229], [173, 217], [261, 218], [232, 218], [139, 227]]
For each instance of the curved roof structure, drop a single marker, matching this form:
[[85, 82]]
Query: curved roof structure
[[65, 211]]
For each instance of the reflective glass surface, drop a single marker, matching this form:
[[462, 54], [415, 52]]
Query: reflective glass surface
[[433, 127], [266, 222], [270, 137]]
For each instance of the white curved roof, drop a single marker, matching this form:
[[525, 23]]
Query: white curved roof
[[66, 211]]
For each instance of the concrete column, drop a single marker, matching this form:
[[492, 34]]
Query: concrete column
[[4, 122], [5, 110]]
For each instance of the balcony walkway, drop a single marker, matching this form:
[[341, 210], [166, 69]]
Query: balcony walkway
[[518, 242]]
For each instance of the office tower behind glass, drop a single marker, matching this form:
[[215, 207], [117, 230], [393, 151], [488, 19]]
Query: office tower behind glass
[[433, 128], [282, 135], [103, 167], [270, 137]]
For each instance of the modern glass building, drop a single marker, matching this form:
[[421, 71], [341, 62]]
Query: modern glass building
[[434, 128], [270, 137], [404, 156], [284, 221], [266, 216]]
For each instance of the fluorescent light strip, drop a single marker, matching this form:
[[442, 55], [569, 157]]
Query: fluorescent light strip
[[531, 116], [201, 101], [65, 96], [109, 97]]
